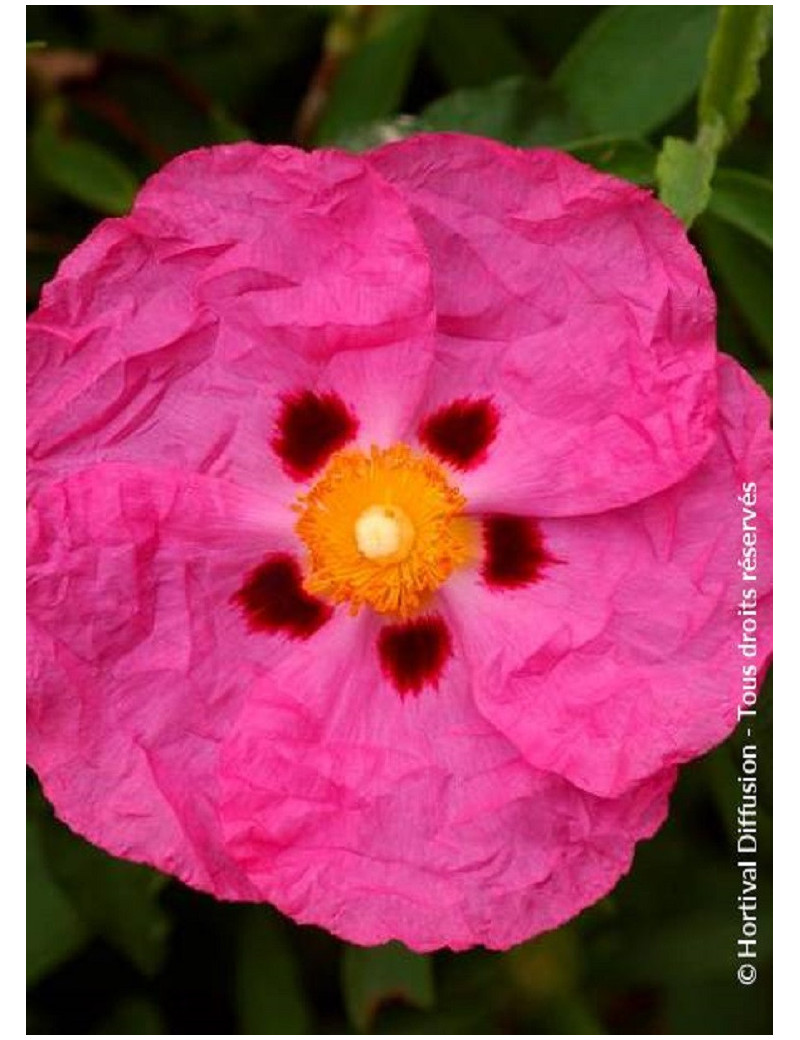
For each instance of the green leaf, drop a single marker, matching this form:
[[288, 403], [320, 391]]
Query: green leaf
[[632, 159], [636, 66], [744, 270], [739, 42], [374, 975], [83, 170], [546, 33], [745, 201], [471, 47], [515, 110], [684, 171], [373, 78], [55, 932], [116, 899], [269, 998]]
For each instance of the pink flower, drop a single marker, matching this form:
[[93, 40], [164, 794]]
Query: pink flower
[[385, 533]]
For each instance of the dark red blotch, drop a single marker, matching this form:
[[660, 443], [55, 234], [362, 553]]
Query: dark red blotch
[[310, 428], [515, 554], [274, 600], [413, 653], [461, 432]]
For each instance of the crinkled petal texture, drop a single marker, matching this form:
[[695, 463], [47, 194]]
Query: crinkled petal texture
[[165, 731], [414, 819], [575, 301], [243, 274], [193, 366], [624, 659], [137, 662]]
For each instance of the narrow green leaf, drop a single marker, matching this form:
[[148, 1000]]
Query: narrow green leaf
[[373, 79], [55, 932], [471, 47], [744, 269], [269, 998], [377, 974], [515, 110], [739, 42], [684, 174], [632, 159], [116, 899], [83, 171], [636, 66], [745, 201], [684, 171]]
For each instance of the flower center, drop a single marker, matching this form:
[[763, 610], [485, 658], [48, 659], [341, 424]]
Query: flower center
[[383, 529]]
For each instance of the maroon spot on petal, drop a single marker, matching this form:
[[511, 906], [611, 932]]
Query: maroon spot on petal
[[514, 551], [310, 428], [414, 653], [274, 600], [461, 432]]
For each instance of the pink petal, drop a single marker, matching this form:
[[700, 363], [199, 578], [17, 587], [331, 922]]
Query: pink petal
[[623, 660], [384, 817], [191, 706], [243, 273], [576, 303], [139, 660]]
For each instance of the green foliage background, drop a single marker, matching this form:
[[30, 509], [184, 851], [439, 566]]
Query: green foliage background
[[677, 98]]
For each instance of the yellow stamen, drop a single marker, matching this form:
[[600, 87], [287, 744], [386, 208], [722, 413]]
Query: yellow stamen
[[383, 529]]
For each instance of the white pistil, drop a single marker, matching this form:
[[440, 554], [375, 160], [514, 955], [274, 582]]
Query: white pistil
[[379, 532]]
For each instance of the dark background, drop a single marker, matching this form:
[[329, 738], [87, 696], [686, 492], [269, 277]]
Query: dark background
[[116, 91]]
